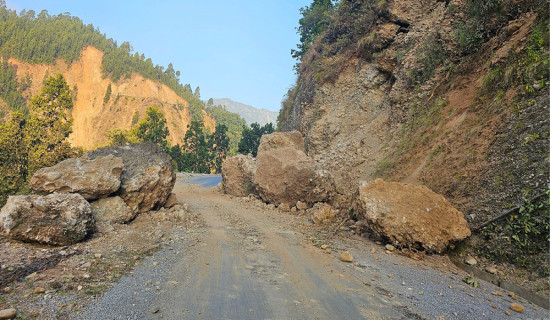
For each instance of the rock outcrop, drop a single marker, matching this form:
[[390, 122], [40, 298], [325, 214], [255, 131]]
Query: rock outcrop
[[148, 176], [238, 175], [286, 175], [93, 179], [55, 219], [111, 210], [410, 215]]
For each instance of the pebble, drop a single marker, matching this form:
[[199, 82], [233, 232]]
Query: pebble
[[491, 269], [471, 261], [79, 288], [517, 307], [328, 251], [508, 313], [324, 247], [346, 257], [389, 247], [155, 264], [39, 290], [497, 293], [373, 250], [8, 313], [98, 255]]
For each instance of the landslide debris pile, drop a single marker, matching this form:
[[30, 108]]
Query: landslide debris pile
[[78, 196], [284, 175]]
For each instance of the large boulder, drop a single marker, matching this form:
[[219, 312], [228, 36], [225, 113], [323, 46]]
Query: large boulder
[[238, 175], [410, 215], [286, 175], [148, 176], [55, 219], [111, 210], [93, 179]]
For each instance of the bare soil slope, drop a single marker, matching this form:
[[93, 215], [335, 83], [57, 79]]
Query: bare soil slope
[[92, 117]]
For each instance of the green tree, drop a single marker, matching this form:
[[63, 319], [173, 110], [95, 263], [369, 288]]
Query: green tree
[[315, 19], [13, 156], [107, 94], [220, 146], [250, 140], [196, 156], [152, 128], [49, 125]]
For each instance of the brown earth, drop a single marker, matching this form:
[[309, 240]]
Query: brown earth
[[92, 117]]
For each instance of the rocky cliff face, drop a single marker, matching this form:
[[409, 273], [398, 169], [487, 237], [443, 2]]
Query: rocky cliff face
[[408, 103], [129, 97]]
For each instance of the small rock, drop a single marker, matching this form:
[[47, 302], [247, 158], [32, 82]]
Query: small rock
[[373, 250], [324, 247], [494, 306], [497, 293], [508, 313], [389, 247], [155, 310], [155, 264], [8, 313], [301, 205], [293, 210], [517, 307], [86, 265], [328, 251], [471, 261], [79, 288], [86, 276], [346, 257], [98, 255], [491, 269], [39, 290], [148, 283], [390, 276], [271, 206]]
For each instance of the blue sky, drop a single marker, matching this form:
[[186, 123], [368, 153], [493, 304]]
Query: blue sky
[[231, 49]]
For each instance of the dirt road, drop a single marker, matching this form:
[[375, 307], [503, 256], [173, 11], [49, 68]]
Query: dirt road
[[238, 260]]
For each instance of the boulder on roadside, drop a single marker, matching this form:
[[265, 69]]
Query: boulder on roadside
[[111, 210], [55, 219], [285, 174], [410, 215], [238, 175], [321, 213], [93, 179], [148, 176]]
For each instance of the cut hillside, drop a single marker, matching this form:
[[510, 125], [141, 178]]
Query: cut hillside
[[129, 98], [448, 94]]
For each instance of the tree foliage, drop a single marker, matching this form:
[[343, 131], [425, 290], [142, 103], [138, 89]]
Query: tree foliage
[[315, 19], [30, 142], [152, 128], [234, 123], [250, 140]]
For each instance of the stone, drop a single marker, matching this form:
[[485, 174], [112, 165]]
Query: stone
[[410, 215], [517, 307], [301, 205], [285, 207], [8, 313], [470, 261], [238, 175], [508, 313], [491, 269], [390, 248], [171, 201], [57, 219], [111, 210], [324, 247], [322, 213], [93, 179], [285, 174], [293, 210], [98, 255], [148, 176], [346, 257], [39, 290], [270, 206]]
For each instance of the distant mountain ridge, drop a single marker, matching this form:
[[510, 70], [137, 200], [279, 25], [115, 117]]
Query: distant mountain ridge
[[249, 113]]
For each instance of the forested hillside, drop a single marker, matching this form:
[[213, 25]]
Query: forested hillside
[[44, 39]]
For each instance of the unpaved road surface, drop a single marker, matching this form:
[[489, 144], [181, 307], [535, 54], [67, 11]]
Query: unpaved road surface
[[239, 260]]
